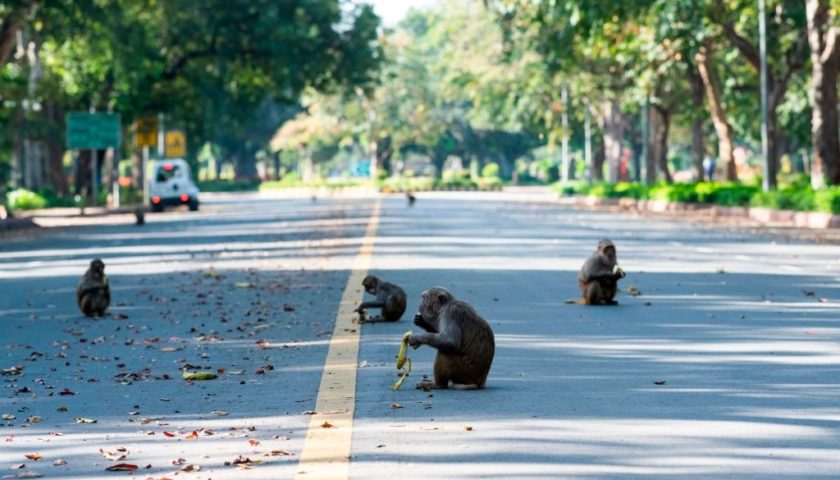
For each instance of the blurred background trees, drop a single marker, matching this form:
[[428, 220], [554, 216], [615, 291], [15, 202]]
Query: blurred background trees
[[308, 90]]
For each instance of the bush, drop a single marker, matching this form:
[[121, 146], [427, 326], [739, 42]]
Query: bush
[[491, 170], [23, 199], [786, 199], [827, 200], [227, 186], [489, 183]]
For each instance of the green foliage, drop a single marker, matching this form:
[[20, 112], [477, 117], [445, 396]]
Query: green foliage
[[828, 200], [491, 170], [227, 186], [22, 199], [725, 194]]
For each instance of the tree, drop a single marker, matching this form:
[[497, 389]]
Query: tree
[[825, 54]]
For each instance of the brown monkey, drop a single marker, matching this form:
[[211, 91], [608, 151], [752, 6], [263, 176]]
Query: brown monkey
[[411, 198], [389, 297], [464, 341], [599, 275], [93, 293]]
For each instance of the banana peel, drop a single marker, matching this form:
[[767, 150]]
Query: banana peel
[[403, 361], [191, 376]]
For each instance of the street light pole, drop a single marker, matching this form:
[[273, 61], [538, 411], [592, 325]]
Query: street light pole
[[564, 149], [767, 182]]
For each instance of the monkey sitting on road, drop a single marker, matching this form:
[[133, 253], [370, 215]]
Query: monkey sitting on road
[[411, 198], [93, 293], [599, 275], [464, 341], [389, 297]]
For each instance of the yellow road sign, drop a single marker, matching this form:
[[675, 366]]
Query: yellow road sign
[[176, 144], [146, 131]]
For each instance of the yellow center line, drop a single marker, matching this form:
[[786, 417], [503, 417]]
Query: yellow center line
[[326, 450]]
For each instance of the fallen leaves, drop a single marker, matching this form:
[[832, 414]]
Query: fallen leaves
[[34, 456], [122, 467], [121, 453], [15, 370], [327, 425], [85, 420]]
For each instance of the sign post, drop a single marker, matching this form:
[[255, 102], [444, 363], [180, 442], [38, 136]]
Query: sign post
[[176, 144], [145, 136], [93, 131]]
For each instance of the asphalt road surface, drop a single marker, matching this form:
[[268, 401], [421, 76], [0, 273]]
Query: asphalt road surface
[[727, 365]]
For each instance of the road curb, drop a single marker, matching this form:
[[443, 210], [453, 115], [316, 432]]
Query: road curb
[[766, 217]]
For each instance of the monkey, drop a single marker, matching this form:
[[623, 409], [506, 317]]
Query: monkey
[[411, 198], [464, 341], [389, 297], [93, 293], [598, 277], [139, 216]]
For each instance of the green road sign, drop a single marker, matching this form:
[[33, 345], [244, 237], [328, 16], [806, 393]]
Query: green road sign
[[93, 130]]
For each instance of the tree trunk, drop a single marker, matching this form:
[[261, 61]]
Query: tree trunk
[[597, 167], [824, 63], [659, 141], [612, 129], [9, 27], [245, 167], [54, 174], [719, 118], [698, 146]]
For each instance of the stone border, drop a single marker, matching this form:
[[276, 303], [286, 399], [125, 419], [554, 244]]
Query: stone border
[[765, 216]]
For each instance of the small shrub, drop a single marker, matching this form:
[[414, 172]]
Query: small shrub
[[491, 170], [827, 200], [23, 199]]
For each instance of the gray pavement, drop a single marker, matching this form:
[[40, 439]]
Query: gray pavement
[[744, 331]]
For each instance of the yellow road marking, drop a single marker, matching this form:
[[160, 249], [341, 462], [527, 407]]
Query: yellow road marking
[[326, 450]]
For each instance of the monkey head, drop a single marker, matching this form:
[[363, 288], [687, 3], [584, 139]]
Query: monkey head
[[431, 303], [606, 252], [370, 283], [97, 269]]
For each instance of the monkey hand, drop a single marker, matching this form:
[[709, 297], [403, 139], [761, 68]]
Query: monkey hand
[[619, 273], [413, 341]]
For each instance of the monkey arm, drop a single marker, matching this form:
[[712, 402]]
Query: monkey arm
[[603, 277], [447, 342], [93, 288], [371, 304]]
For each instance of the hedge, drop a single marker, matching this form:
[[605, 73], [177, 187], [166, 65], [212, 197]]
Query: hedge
[[792, 197]]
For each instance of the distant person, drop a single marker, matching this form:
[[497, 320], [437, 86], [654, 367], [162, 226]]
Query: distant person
[[709, 166]]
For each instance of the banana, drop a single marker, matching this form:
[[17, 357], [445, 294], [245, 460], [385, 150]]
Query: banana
[[403, 361]]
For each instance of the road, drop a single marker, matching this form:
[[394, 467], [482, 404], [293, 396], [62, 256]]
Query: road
[[726, 365]]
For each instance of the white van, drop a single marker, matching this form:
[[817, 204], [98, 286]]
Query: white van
[[170, 185]]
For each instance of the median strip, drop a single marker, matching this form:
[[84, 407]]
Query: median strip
[[326, 450]]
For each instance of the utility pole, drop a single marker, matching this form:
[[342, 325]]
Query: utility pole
[[587, 133], [645, 133], [564, 149], [769, 180]]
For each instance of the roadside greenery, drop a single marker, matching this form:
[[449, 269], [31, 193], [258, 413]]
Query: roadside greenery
[[796, 196]]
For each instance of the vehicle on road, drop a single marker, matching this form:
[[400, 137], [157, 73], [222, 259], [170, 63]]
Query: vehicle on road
[[170, 185]]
